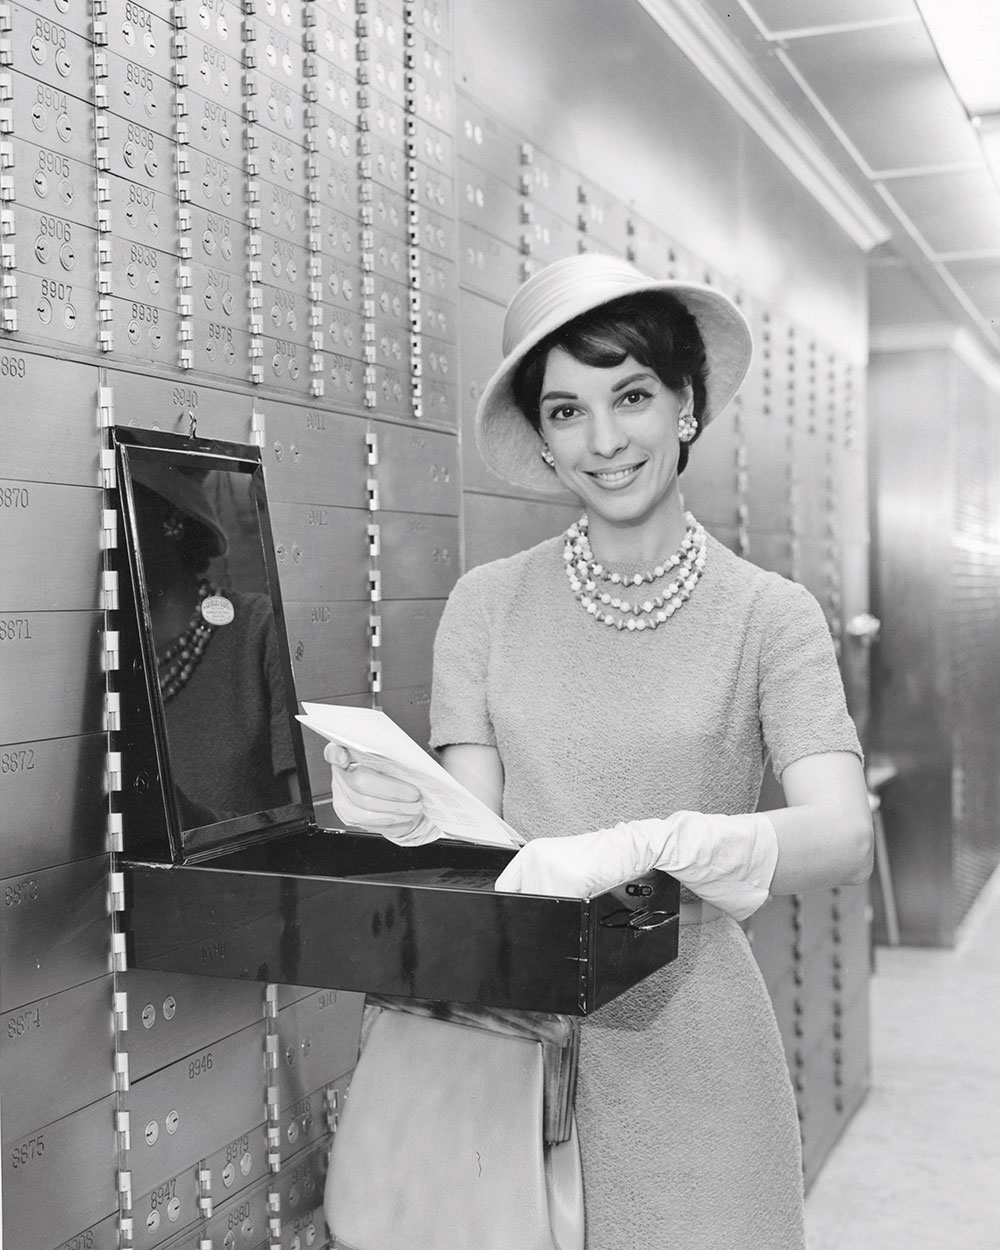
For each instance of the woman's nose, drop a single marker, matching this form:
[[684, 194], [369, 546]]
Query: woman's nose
[[607, 437]]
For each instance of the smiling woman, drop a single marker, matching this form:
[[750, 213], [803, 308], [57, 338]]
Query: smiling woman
[[622, 726]]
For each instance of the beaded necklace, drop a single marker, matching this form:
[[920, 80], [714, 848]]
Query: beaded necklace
[[176, 662], [586, 575]]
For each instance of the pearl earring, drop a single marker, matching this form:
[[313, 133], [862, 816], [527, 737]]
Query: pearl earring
[[687, 426], [547, 456]]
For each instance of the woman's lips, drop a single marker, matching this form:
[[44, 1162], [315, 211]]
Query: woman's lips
[[614, 477]]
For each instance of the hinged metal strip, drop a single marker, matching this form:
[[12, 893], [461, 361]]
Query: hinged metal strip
[[205, 1191], [272, 1042], [110, 586], [317, 382], [331, 1107], [8, 251], [119, 960], [112, 711]]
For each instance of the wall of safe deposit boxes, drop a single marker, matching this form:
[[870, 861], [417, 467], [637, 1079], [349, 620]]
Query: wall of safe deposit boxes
[[297, 223]]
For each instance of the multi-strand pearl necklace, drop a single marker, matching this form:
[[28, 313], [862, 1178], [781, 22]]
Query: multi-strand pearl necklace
[[176, 663], [586, 577]]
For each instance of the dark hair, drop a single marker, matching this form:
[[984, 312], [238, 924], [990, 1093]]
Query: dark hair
[[653, 327]]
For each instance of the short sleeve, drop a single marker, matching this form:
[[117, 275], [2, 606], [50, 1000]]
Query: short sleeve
[[803, 710], [459, 705]]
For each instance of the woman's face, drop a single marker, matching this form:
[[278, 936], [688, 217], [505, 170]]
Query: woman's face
[[613, 435]]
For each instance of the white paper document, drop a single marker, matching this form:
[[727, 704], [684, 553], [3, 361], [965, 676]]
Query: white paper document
[[376, 740]]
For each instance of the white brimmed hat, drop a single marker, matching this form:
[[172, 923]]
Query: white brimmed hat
[[554, 296]]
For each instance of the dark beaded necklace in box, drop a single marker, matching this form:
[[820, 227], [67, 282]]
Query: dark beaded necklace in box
[[176, 662]]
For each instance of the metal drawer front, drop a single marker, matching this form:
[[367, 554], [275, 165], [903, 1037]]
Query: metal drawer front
[[420, 555], [239, 1164], [417, 470], [408, 627], [300, 1183], [171, 1016], [60, 1178], [188, 1110], [55, 931], [168, 404], [64, 575], [40, 1048], [306, 1121], [330, 646], [170, 1205], [52, 801], [322, 552], [242, 1222], [59, 441], [410, 708], [318, 1041], [311, 456]]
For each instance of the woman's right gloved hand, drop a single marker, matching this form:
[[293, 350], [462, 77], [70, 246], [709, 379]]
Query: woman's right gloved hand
[[364, 798], [729, 861]]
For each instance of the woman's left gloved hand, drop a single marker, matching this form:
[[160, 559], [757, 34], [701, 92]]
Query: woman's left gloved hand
[[364, 798], [727, 860]]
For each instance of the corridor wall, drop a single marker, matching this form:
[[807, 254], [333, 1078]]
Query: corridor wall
[[936, 709]]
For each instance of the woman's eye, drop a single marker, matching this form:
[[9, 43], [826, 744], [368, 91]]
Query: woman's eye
[[563, 413], [635, 397]]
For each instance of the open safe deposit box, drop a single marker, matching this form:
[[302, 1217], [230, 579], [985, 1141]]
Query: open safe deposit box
[[226, 873]]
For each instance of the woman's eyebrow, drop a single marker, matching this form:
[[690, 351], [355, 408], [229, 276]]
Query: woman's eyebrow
[[557, 395], [631, 380]]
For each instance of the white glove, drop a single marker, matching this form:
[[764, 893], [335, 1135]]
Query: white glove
[[364, 798], [727, 860]]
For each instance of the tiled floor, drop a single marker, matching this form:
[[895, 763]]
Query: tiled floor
[[919, 1165]]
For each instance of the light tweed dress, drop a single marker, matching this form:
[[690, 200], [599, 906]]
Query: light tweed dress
[[685, 1112]]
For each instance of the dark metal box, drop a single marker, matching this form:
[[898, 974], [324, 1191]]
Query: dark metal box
[[260, 891]]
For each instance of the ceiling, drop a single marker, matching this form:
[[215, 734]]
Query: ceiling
[[865, 79]]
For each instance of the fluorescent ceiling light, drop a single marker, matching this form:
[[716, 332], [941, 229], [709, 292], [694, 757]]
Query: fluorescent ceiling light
[[966, 34]]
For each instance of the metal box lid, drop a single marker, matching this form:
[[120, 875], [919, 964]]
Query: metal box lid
[[211, 752]]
